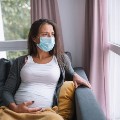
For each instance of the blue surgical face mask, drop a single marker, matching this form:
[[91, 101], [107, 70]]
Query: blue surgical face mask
[[46, 43]]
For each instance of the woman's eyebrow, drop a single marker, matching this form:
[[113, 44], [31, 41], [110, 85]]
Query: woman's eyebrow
[[44, 32], [47, 32]]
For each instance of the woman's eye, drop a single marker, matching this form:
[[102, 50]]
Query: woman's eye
[[45, 34]]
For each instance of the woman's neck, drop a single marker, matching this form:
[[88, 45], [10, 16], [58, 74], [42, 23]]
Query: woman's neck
[[42, 54]]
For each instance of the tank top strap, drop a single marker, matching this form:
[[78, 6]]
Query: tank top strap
[[30, 59]]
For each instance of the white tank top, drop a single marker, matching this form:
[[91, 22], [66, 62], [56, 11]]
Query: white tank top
[[38, 83]]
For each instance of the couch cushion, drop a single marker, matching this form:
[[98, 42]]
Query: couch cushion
[[4, 70], [66, 100]]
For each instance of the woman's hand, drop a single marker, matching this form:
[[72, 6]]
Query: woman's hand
[[80, 81], [23, 108]]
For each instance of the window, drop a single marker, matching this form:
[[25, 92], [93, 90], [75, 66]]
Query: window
[[114, 73], [14, 27], [114, 86]]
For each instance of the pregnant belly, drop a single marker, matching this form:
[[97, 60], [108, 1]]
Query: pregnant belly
[[41, 100]]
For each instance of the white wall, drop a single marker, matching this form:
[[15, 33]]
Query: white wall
[[72, 13]]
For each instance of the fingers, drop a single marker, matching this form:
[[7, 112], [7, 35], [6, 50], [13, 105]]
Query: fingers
[[23, 108], [75, 84], [34, 109], [42, 109], [87, 84], [78, 80], [28, 103]]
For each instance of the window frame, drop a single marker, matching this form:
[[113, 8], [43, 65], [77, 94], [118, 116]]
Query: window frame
[[13, 45], [114, 48]]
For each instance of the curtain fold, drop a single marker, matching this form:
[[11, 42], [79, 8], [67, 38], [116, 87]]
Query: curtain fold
[[47, 9], [96, 54]]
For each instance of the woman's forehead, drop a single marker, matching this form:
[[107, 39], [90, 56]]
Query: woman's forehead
[[46, 27]]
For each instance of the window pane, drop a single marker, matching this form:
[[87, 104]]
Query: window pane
[[114, 21], [16, 18], [12, 54], [114, 86]]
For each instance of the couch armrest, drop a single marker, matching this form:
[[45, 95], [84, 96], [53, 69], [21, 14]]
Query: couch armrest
[[87, 108]]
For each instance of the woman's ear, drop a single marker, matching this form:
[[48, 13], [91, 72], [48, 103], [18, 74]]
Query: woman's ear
[[34, 39]]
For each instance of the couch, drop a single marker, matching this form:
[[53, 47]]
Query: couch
[[86, 106]]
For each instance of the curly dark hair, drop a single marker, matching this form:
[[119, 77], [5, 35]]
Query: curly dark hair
[[32, 49]]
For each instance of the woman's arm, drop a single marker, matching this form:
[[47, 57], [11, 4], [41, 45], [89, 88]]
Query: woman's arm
[[78, 80], [11, 85]]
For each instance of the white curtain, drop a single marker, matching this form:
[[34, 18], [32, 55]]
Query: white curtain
[[114, 74]]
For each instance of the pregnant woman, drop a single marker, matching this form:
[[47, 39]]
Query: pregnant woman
[[35, 79]]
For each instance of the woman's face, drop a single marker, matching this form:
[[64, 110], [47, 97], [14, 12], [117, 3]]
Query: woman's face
[[45, 40], [45, 30]]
